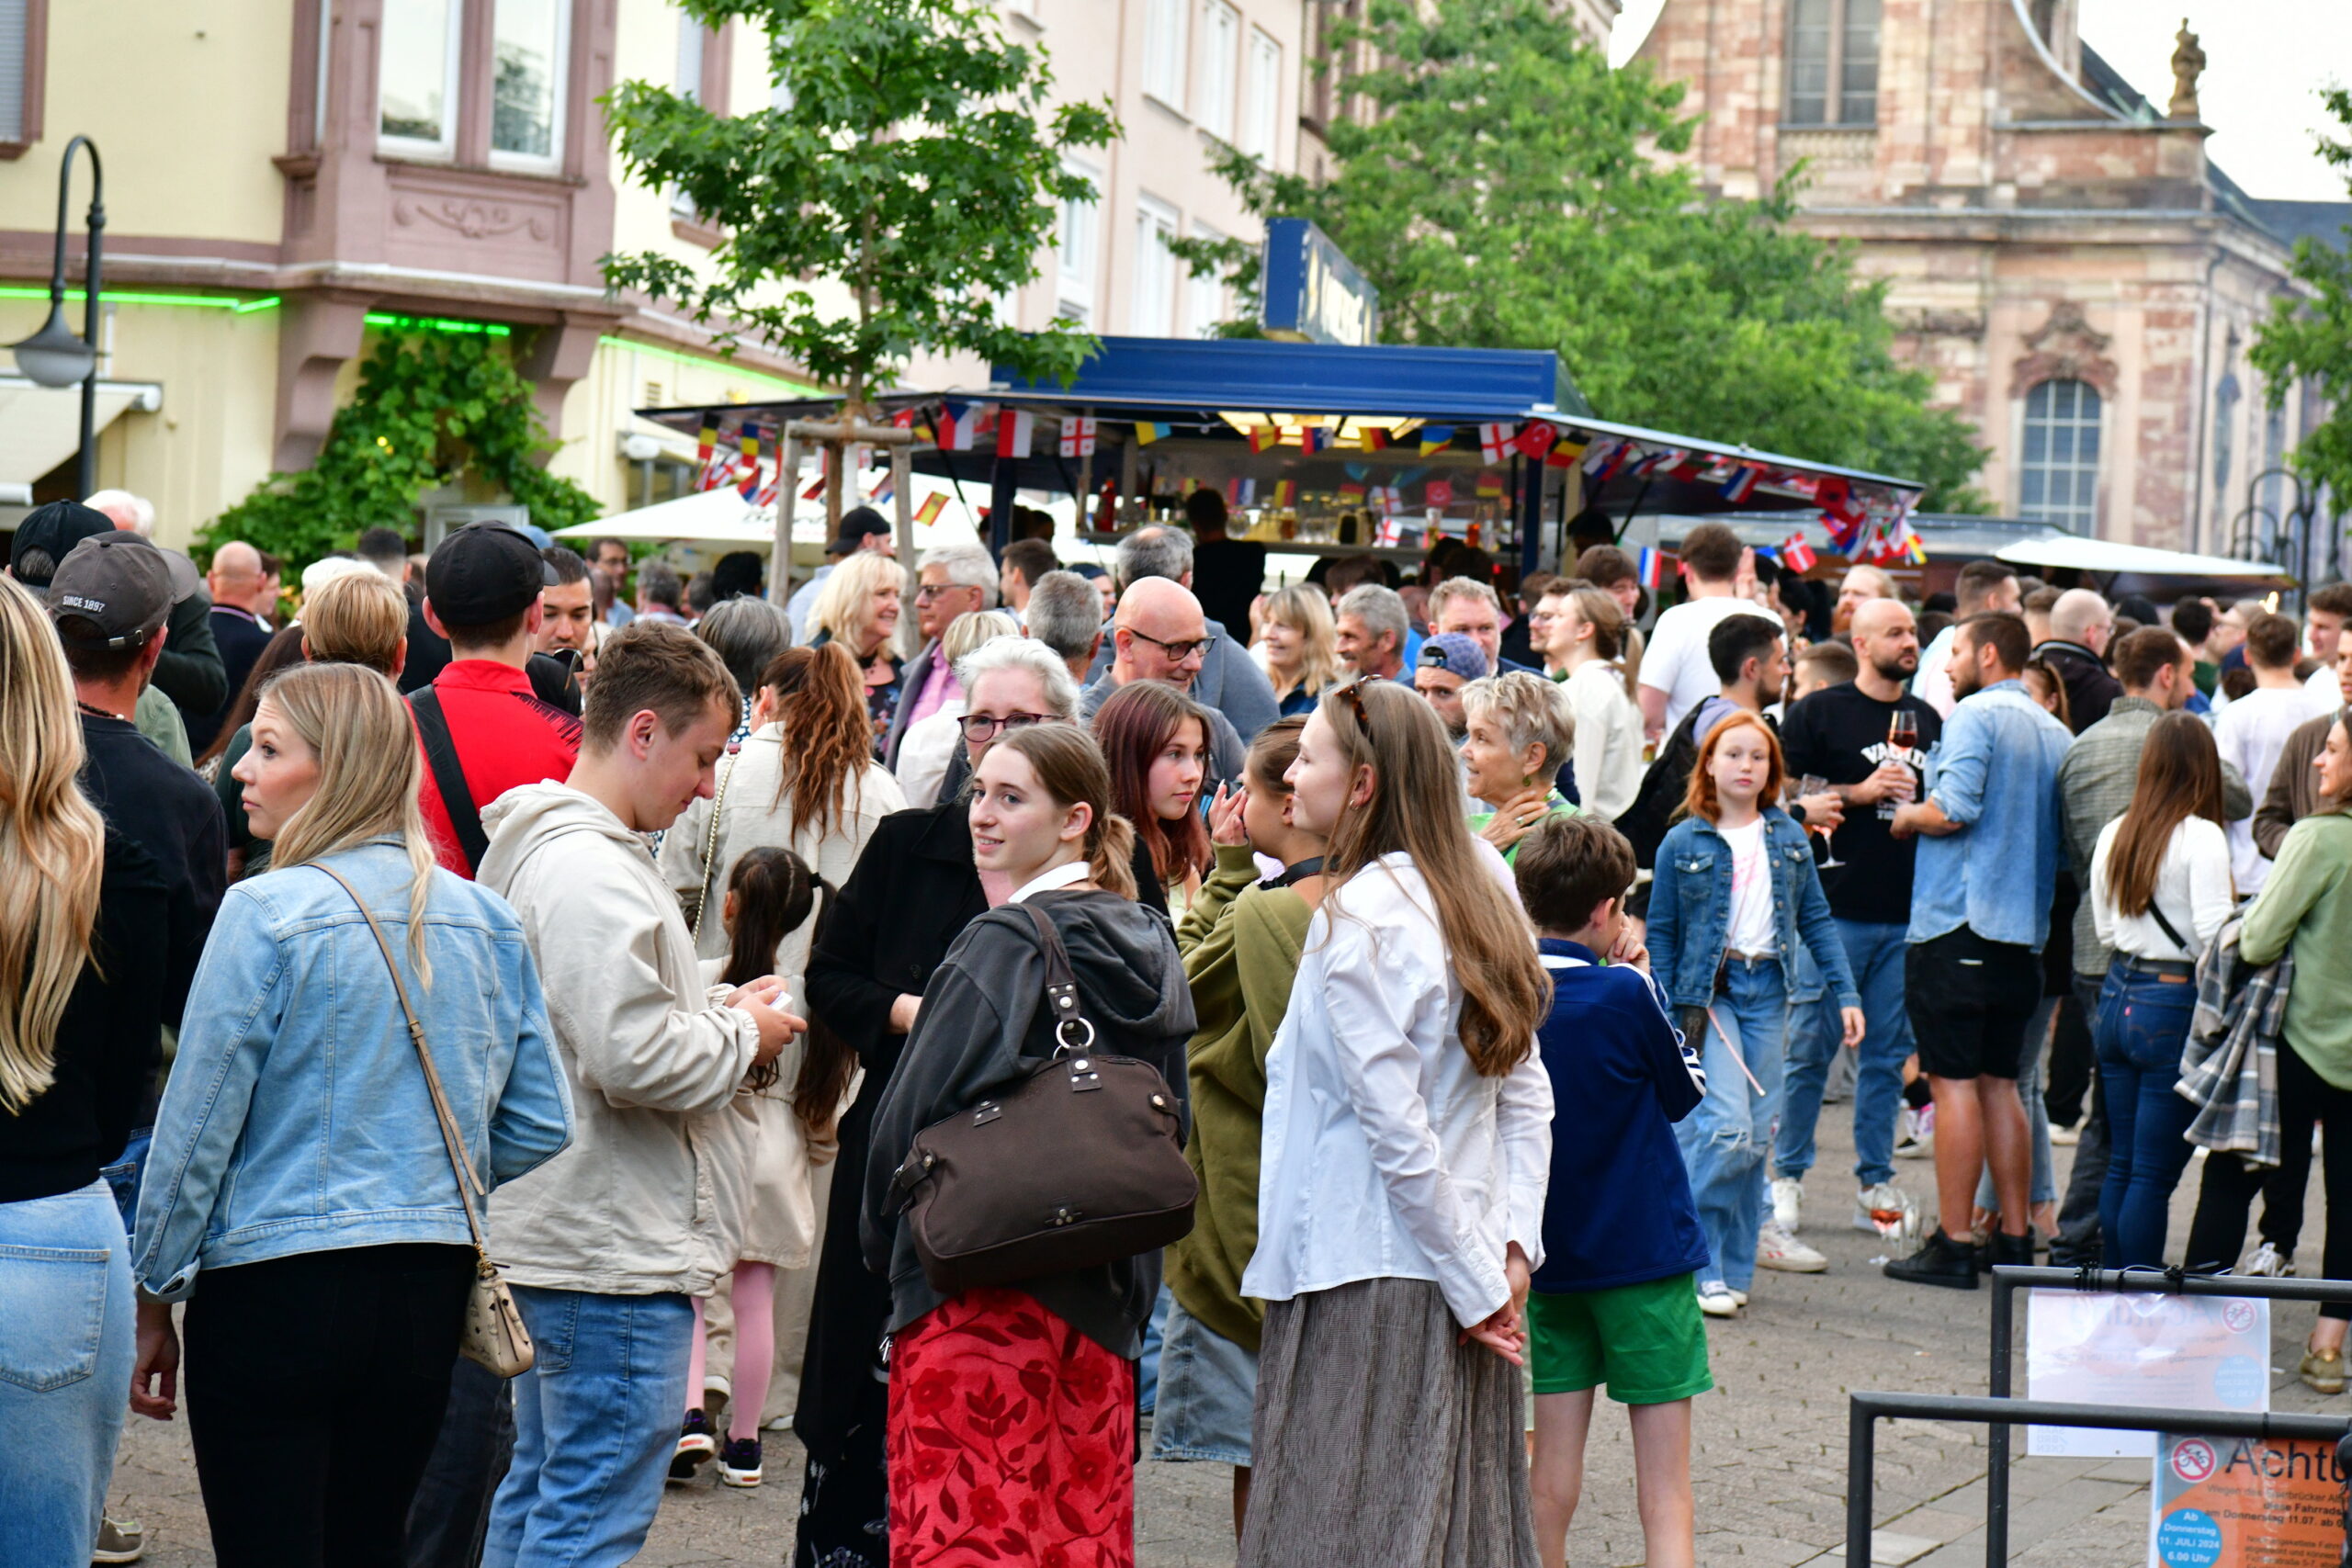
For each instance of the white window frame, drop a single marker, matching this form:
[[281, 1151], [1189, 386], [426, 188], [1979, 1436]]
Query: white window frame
[[1166, 50], [1078, 268], [681, 205], [452, 89], [560, 77], [1155, 223], [2075, 518], [1261, 112], [1217, 105], [1206, 300]]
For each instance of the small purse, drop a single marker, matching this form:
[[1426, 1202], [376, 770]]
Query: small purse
[[493, 1336], [984, 1209]]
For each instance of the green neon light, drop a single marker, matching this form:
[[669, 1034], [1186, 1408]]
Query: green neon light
[[124, 297], [439, 324], [724, 368]]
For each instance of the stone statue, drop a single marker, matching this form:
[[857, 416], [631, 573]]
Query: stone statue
[[2187, 64]]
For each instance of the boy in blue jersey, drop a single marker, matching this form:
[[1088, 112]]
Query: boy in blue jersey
[[1614, 1302]]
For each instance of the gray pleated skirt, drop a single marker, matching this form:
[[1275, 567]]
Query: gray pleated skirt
[[1376, 1439]]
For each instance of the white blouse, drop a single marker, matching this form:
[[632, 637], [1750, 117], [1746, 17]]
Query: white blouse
[[1607, 755], [2192, 889], [1385, 1154]]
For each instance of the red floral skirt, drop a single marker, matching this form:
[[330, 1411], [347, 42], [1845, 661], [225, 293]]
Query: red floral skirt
[[1012, 1440]]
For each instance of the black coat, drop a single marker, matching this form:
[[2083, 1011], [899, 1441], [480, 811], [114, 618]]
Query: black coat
[[2091, 688]]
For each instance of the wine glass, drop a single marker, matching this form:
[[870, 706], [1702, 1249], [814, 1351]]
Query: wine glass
[[1902, 735], [1813, 784]]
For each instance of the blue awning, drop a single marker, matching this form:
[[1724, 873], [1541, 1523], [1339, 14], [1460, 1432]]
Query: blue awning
[[1141, 373]]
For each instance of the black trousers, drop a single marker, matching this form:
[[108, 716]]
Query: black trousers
[[2067, 1086], [315, 1388], [2219, 1230], [450, 1518]]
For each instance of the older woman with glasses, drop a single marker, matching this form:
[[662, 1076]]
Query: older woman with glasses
[[928, 745], [913, 891]]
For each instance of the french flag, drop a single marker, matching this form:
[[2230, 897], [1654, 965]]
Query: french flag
[[1741, 485]]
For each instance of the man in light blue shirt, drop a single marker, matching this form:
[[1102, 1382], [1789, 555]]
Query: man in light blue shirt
[[1980, 913]]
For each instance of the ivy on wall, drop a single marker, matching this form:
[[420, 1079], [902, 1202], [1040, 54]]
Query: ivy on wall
[[432, 406]]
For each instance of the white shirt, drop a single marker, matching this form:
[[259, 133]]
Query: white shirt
[[1607, 759], [1751, 890], [2251, 733], [1676, 660], [1931, 684], [926, 750], [1069, 874], [1385, 1154], [2326, 692], [2192, 889]]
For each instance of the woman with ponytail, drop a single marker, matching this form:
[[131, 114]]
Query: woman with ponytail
[[1051, 1359], [299, 1195], [1406, 1149]]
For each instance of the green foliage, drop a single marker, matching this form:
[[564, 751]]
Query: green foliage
[[912, 165], [431, 406], [1507, 194], [2311, 337]]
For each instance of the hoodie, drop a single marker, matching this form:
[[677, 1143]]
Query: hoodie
[[980, 1030], [652, 1195]]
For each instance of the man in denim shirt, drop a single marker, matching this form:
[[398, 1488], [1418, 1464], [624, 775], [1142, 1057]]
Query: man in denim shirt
[[1980, 913]]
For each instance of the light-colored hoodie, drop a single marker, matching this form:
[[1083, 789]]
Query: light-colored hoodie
[[652, 1194]]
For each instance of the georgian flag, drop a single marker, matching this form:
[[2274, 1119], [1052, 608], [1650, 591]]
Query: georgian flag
[[1078, 438]]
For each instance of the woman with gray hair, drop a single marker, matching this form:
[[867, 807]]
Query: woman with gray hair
[[1521, 733], [747, 634]]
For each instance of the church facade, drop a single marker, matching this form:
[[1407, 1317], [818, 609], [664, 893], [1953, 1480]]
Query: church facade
[[2080, 280]]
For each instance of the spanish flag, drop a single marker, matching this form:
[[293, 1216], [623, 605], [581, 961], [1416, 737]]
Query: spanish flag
[[936, 503]]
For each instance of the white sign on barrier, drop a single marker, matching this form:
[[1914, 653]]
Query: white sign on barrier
[[2178, 1352]]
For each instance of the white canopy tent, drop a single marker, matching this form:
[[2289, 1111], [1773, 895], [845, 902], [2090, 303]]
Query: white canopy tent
[[2072, 551]]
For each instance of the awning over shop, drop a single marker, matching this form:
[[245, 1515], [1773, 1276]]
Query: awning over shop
[[41, 426], [2110, 557], [721, 516]]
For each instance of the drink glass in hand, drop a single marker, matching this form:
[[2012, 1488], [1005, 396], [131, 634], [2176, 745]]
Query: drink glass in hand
[[1811, 785], [1903, 734]]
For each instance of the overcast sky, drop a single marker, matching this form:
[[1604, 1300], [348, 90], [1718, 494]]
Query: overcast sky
[[2264, 62]]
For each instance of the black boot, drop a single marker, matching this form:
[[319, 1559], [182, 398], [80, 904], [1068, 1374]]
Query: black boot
[[2014, 1250], [1942, 1262]]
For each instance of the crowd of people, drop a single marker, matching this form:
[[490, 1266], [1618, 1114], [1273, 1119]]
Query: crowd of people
[[510, 930]]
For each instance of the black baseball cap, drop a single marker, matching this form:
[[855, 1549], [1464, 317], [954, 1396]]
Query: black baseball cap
[[482, 574], [859, 523], [117, 584], [55, 529]]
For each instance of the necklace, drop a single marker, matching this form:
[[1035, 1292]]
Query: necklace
[[96, 712]]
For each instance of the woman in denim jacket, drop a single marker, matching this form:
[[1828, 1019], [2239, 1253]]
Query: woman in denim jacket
[[1735, 895], [299, 1195]]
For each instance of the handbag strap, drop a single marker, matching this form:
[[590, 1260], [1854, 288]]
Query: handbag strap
[[468, 1182], [1073, 1031], [449, 779], [710, 847], [2155, 913]]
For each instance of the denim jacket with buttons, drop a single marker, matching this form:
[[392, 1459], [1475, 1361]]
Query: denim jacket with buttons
[[1691, 913], [297, 1118]]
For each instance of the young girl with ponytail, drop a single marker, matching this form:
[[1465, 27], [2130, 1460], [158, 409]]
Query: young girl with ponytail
[[1052, 1359]]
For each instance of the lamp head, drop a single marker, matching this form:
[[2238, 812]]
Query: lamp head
[[56, 355]]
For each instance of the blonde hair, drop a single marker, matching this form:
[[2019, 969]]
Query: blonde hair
[[1306, 611], [966, 635], [359, 728], [53, 848], [1070, 767], [841, 603], [357, 618], [1612, 635]]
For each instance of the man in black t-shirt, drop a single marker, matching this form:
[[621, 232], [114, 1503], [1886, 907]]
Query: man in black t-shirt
[[1842, 734], [1228, 574]]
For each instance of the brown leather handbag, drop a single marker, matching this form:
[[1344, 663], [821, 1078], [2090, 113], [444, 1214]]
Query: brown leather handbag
[[1079, 1164]]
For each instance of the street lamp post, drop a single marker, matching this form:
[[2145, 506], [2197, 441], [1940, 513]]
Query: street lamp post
[[54, 357]]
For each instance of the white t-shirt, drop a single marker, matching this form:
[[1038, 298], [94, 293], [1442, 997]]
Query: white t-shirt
[[1751, 890], [1676, 660], [2326, 693], [1932, 682], [2251, 733]]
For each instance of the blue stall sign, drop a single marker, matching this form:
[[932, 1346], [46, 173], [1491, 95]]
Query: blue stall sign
[[1313, 292]]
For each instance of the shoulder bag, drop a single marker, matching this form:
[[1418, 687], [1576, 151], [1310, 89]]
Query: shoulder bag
[[493, 1336], [986, 1209]]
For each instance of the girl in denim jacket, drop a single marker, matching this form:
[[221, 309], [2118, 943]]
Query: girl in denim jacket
[[1734, 896]]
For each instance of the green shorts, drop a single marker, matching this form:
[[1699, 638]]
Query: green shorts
[[1647, 1342]]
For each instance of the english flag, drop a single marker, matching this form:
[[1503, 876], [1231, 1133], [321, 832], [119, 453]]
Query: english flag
[[1078, 438], [1494, 441], [1014, 430]]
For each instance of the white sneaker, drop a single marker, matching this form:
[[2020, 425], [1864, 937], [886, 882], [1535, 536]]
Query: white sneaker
[[1739, 1298], [1776, 1248], [2266, 1262], [1718, 1300], [1886, 1210], [1788, 1202], [1914, 1135]]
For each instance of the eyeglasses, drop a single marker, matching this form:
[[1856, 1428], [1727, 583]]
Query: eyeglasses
[[1352, 694], [981, 727], [930, 591], [1178, 652]]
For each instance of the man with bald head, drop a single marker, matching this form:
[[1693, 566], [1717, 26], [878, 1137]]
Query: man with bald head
[[2080, 624], [1842, 734], [1159, 633], [240, 586]]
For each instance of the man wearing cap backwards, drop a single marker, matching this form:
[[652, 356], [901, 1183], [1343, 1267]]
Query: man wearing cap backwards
[[862, 529], [191, 674], [1449, 661]]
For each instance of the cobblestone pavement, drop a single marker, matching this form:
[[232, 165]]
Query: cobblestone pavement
[[1770, 1464]]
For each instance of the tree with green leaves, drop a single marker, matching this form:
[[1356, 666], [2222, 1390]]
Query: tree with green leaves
[[906, 176], [433, 405], [1504, 192], [2308, 336]]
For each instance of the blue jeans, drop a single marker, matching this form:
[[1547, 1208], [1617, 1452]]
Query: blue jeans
[[2042, 1184], [1155, 1335], [66, 1316], [1725, 1141], [595, 1422], [1874, 952], [2141, 1022], [122, 1177]]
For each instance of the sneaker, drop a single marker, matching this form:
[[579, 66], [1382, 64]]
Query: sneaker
[[739, 1462], [2065, 1137], [2266, 1262], [2323, 1370], [119, 1541], [1884, 1209], [1788, 1201], [2003, 1250], [1738, 1298], [1914, 1135], [1776, 1248], [1942, 1262], [1718, 1300], [696, 1446]]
